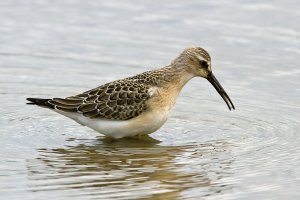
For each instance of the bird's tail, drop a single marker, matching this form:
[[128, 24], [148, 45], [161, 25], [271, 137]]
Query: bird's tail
[[40, 102]]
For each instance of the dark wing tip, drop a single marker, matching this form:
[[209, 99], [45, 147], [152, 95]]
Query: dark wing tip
[[40, 102]]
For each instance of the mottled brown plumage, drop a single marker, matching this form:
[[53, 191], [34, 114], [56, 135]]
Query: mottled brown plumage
[[139, 104], [118, 100]]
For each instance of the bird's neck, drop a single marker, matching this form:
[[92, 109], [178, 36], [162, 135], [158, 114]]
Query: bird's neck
[[169, 87], [177, 77]]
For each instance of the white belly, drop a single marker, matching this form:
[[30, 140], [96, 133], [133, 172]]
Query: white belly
[[146, 123]]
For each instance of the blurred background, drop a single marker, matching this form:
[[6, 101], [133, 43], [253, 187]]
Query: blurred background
[[52, 48]]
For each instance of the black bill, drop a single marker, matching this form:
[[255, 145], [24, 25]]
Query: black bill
[[212, 79]]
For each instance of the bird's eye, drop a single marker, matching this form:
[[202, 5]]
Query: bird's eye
[[203, 63]]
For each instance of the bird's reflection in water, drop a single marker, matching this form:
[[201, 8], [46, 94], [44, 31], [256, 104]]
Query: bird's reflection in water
[[130, 168]]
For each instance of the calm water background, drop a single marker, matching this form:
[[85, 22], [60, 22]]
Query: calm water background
[[60, 48]]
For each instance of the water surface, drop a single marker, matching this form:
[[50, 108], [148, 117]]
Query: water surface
[[60, 48]]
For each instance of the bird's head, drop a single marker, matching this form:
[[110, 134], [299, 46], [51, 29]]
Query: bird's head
[[197, 61]]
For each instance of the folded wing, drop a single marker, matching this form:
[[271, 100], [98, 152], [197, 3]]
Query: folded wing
[[117, 101]]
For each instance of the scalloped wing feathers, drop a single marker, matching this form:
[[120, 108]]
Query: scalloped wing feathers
[[119, 100]]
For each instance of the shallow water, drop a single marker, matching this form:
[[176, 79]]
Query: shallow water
[[60, 48]]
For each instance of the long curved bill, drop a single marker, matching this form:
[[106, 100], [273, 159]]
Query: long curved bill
[[212, 79]]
